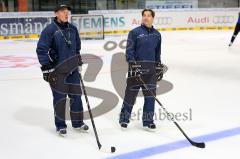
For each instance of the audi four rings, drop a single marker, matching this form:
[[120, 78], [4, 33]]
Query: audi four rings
[[163, 20], [223, 19]]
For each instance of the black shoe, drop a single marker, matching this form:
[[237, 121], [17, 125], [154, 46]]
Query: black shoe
[[150, 127], [123, 125], [62, 132], [82, 128]]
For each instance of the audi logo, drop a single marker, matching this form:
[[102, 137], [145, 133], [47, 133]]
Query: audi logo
[[223, 19], [163, 20]]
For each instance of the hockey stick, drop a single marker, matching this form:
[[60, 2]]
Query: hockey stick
[[199, 145], [100, 147]]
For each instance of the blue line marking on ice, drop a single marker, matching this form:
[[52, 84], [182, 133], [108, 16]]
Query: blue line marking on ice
[[146, 152]]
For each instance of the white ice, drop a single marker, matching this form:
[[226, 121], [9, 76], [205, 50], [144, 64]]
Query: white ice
[[205, 74]]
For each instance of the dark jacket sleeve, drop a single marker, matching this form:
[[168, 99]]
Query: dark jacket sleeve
[[131, 47], [43, 46], [78, 42], [78, 47], [158, 50]]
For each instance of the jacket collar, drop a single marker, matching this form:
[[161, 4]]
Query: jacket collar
[[61, 25], [147, 28]]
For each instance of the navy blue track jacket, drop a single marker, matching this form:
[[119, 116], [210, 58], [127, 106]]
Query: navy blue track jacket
[[51, 38], [144, 44]]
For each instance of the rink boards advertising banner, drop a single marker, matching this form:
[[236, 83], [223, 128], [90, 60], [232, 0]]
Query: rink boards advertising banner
[[117, 22], [121, 21], [23, 25], [26, 26]]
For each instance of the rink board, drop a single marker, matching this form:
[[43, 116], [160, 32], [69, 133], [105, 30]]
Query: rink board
[[119, 22], [30, 36]]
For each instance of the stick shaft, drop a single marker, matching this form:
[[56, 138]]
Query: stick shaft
[[90, 112]]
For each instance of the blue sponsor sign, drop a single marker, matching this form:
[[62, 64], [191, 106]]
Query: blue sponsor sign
[[27, 25]]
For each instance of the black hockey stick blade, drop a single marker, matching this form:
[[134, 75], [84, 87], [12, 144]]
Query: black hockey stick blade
[[107, 150], [198, 144], [193, 143]]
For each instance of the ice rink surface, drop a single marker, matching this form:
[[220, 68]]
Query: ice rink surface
[[204, 72]]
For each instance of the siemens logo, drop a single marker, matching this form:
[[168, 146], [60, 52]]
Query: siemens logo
[[97, 21], [114, 22]]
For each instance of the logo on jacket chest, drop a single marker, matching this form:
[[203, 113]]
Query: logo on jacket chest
[[141, 35], [146, 38]]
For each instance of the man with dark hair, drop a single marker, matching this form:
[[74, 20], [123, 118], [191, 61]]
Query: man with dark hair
[[149, 10], [143, 56], [58, 43], [236, 31]]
